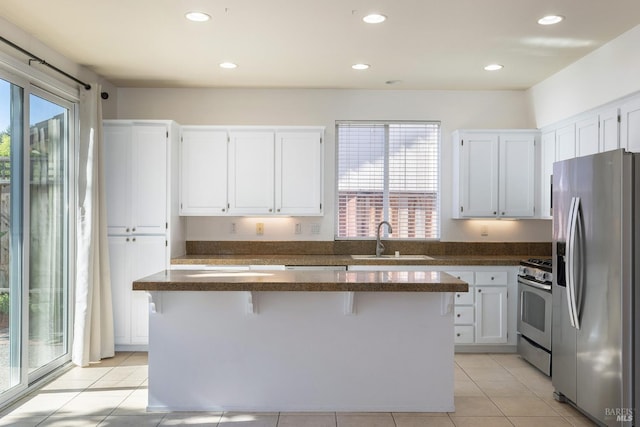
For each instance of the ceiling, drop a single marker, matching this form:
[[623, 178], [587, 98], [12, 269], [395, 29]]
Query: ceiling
[[424, 44]]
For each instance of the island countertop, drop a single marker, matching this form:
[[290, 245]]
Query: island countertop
[[306, 281]]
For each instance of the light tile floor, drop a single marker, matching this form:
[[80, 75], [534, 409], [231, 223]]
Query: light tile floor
[[490, 390]]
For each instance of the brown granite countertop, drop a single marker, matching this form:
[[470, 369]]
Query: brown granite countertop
[[307, 281], [509, 260]]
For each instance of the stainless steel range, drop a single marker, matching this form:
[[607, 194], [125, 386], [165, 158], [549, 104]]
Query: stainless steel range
[[534, 312]]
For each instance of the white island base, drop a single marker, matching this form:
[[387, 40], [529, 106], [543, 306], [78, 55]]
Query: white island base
[[301, 351]]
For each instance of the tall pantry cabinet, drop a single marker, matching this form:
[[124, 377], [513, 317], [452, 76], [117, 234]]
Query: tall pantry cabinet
[[144, 228]]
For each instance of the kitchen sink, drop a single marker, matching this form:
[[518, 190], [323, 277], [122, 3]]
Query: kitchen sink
[[393, 257]]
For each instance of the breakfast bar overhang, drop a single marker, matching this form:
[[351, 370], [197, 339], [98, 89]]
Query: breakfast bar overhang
[[301, 340]]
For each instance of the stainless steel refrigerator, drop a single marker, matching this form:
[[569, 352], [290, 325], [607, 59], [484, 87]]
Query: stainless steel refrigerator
[[596, 266]]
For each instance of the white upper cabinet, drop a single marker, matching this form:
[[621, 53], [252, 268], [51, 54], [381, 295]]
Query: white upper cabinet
[[566, 142], [203, 171], [494, 174], [298, 166], [136, 178], [630, 125], [517, 174], [587, 136], [478, 172], [609, 129], [548, 156], [251, 172]]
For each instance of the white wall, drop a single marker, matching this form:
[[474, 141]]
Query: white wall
[[604, 75], [455, 109]]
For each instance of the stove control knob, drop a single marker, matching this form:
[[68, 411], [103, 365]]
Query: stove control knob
[[523, 271], [543, 276]]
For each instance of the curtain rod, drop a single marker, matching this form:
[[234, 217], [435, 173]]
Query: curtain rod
[[41, 61]]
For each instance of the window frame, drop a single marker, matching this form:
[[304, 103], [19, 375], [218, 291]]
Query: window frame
[[438, 175]]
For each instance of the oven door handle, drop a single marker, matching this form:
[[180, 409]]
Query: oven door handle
[[533, 284]]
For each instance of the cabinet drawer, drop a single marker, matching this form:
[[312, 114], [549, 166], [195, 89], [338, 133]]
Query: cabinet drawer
[[491, 278], [463, 315], [465, 276], [463, 335], [465, 298]]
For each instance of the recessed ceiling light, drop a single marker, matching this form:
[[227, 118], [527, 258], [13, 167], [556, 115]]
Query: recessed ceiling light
[[493, 67], [374, 18], [550, 19], [228, 65], [197, 16], [360, 66]]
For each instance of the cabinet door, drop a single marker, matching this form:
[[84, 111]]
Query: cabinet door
[[479, 175], [149, 178], [587, 137], [203, 171], [251, 173], [630, 126], [491, 314], [517, 175], [118, 152], [566, 143], [548, 143], [298, 180], [119, 261], [609, 129], [148, 256]]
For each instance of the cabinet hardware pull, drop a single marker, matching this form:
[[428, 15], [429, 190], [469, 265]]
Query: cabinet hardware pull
[[458, 295], [223, 209], [133, 240], [458, 315], [270, 210], [458, 335], [495, 213], [127, 230], [133, 229], [278, 209], [127, 239], [502, 213]]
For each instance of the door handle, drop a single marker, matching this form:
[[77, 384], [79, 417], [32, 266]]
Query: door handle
[[573, 234]]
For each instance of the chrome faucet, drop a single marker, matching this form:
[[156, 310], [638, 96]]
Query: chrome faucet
[[379, 245]]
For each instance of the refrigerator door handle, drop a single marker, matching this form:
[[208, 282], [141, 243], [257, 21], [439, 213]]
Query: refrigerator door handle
[[573, 251]]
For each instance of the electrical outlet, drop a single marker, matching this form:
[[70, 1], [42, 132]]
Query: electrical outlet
[[315, 228], [484, 230], [233, 229], [298, 229], [260, 228]]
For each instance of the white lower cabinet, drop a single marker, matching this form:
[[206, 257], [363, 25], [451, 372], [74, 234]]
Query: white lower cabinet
[[133, 257], [491, 314], [485, 317]]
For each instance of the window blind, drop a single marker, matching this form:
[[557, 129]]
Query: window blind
[[388, 171]]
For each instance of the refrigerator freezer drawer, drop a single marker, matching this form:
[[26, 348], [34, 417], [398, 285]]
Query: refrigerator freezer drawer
[[534, 355]]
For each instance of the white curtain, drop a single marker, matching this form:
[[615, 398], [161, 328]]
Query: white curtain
[[93, 321]]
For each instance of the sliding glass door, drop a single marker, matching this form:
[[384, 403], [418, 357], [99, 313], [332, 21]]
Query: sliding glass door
[[11, 228], [35, 178], [48, 231]]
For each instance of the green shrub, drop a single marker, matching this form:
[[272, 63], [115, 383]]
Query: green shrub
[[4, 302]]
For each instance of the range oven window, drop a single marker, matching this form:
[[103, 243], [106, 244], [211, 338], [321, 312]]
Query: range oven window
[[533, 310]]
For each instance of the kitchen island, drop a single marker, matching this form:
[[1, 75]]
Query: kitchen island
[[301, 340]]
